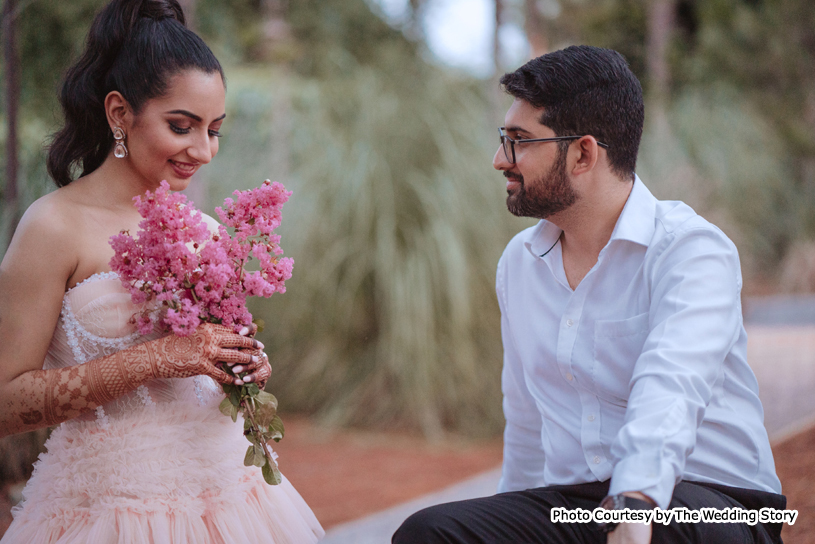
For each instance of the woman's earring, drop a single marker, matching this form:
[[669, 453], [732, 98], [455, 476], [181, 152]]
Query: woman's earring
[[119, 151]]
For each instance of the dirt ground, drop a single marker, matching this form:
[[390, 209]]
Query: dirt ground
[[346, 475]]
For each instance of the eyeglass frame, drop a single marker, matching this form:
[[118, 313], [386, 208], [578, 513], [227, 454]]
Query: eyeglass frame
[[512, 142]]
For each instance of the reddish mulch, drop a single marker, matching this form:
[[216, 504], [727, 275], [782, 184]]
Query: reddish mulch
[[795, 465], [344, 475]]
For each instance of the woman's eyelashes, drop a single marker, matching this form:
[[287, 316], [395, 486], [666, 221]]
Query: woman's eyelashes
[[179, 130], [186, 130]]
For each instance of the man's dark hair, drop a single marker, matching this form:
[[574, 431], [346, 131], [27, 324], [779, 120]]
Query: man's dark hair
[[586, 90]]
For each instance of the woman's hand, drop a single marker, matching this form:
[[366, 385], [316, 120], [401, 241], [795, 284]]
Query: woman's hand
[[201, 352], [259, 365]]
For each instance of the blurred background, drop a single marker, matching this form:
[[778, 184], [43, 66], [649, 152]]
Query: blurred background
[[381, 116]]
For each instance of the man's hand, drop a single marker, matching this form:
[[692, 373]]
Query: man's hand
[[632, 533]]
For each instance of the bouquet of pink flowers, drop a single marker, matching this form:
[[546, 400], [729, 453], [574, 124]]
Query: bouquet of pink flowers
[[184, 276]]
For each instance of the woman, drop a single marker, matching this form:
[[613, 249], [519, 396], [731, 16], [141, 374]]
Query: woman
[[141, 453]]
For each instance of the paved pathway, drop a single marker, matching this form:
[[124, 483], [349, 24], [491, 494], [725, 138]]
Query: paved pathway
[[781, 351]]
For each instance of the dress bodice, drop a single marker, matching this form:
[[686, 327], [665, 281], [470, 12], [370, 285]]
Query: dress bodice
[[97, 321]]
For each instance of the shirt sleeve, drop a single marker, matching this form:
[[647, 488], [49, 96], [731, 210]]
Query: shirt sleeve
[[523, 451], [694, 321]]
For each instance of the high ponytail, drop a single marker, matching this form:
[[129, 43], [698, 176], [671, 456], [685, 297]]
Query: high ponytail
[[134, 47]]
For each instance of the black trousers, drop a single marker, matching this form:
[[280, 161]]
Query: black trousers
[[523, 517]]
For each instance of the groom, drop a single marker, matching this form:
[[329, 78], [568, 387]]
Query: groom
[[625, 380]]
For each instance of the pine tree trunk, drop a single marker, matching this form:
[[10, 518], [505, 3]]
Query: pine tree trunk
[[12, 79], [660, 29], [535, 32]]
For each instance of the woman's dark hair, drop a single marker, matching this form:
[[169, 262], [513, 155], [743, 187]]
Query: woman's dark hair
[[134, 47], [586, 90]]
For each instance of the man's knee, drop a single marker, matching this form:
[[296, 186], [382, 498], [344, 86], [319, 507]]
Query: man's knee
[[431, 525]]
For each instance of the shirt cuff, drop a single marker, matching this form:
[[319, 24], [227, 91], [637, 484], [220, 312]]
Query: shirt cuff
[[647, 473]]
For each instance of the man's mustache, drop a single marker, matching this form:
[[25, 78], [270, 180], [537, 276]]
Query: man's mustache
[[514, 177]]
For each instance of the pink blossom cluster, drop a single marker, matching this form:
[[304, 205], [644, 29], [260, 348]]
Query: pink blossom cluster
[[195, 276]]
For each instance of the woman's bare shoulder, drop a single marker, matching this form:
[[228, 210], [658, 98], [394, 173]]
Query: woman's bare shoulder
[[47, 230]]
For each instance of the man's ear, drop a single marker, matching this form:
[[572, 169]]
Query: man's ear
[[586, 154], [118, 111]]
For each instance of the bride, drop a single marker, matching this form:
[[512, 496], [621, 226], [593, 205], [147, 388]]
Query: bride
[[141, 453]]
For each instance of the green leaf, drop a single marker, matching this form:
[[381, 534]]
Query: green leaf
[[247, 423], [264, 398], [234, 413], [260, 323], [226, 407], [253, 389], [276, 429], [249, 459], [259, 460], [271, 474], [235, 397], [265, 414]]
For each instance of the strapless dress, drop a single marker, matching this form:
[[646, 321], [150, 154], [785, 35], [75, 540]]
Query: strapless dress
[[160, 465]]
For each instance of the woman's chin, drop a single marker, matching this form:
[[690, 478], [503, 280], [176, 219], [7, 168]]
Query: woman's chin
[[176, 183]]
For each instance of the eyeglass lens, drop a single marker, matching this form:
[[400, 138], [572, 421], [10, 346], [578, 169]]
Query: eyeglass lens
[[508, 150]]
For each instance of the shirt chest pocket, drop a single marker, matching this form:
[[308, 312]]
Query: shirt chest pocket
[[617, 345]]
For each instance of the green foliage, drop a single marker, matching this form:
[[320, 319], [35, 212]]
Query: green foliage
[[723, 157], [752, 143], [50, 35], [396, 224], [391, 317], [336, 35]]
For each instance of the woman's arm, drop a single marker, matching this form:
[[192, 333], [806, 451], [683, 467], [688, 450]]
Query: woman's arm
[[33, 276], [40, 398]]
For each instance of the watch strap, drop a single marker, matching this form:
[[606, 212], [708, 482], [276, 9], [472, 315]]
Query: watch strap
[[621, 502]]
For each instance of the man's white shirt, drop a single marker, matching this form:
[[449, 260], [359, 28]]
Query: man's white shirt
[[639, 375]]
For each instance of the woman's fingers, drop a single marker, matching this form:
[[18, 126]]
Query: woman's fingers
[[249, 331], [261, 374], [233, 356], [220, 376], [238, 341]]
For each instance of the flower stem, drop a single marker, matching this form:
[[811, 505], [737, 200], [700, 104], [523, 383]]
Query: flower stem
[[246, 403]]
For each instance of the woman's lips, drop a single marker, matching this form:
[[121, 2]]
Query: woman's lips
[[183, 169]]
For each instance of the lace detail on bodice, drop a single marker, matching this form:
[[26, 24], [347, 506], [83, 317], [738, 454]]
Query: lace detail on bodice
[[97, 321]]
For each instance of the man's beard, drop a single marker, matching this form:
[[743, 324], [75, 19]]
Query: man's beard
[[545, 196]]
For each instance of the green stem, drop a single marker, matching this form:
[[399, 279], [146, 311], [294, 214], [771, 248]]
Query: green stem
[[255, 429]]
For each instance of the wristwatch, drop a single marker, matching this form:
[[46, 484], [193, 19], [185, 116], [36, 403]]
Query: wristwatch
[[621, 502]]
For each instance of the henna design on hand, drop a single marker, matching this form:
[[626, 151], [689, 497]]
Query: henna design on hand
[[49, 397]]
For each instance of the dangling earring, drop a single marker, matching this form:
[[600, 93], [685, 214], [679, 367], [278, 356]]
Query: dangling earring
[[119, 150]]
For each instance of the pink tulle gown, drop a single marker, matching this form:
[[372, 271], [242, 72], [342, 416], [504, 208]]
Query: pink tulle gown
[[158, 466]]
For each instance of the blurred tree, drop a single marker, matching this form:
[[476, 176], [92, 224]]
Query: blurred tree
[[12, 80], [684, 50]]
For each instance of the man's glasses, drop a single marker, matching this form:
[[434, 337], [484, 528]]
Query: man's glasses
[[509, 144]]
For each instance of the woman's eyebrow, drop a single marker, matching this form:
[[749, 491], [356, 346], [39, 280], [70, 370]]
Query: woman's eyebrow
[[193, 116], [188, 114]]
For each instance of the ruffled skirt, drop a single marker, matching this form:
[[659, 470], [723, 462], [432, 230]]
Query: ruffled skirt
[[167, 474]]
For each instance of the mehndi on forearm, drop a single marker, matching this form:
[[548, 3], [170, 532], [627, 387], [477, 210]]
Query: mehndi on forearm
[[48, 397]]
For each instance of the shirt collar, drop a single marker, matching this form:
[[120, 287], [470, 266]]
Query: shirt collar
[[636, 223]]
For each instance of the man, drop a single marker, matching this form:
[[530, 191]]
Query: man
[[625, 380]]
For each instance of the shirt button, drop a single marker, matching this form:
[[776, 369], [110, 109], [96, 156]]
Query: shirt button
[[569, 322], [591, 417], [596, 460], [569, 376]]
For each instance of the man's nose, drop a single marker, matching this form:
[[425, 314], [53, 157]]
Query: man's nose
[[499, 160]]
